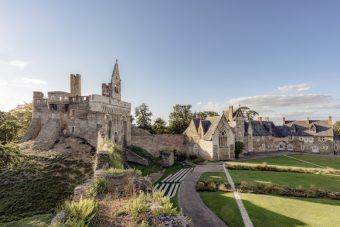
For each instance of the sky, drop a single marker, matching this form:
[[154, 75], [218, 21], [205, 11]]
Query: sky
[[280, 58]]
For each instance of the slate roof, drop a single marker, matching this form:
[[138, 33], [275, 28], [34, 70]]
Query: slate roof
[[213, 121]]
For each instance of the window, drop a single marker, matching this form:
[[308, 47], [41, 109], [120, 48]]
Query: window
[[311, 140], [290, 137], [223, 139], [301, 138], [195, 148], [290, 147], [322, 139], [73, 129], [302, 147]]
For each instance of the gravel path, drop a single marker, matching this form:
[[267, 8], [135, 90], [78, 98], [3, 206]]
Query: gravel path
[[191, 203]]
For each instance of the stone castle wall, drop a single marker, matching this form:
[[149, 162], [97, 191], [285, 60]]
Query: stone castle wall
[[156, 143]]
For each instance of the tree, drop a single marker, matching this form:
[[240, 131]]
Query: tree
[[159, 126], [248, 113], [180, 118], [238, 148], [336, 128], [23, 114], [143, 116], [205, 114]]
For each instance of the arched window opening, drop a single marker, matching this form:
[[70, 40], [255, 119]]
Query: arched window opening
[[223, 139]]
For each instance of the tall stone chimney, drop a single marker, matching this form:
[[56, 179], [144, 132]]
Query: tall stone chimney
[[284, 120], [307, 120], [330, 120], [260, 119], [231, 113], [75, 81], [267, 118]]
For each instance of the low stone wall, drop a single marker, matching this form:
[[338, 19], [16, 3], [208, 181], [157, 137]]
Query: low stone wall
[[133, 157], [156, 143]]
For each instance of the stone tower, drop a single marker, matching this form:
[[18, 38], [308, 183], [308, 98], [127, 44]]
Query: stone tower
[[75, 81], [116, 83]]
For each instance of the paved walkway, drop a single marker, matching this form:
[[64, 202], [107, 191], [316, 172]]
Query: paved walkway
[[191, 203], [246, 220]]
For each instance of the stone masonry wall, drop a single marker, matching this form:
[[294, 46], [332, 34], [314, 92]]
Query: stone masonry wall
[[155, 143]]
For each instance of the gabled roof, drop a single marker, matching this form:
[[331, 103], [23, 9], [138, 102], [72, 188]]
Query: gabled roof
[[213, 126]]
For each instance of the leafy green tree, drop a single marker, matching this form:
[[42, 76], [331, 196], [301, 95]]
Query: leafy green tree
[[336, 128], [180, 118], [205, 114], [248, 113], [159, 126], [23, 114], [143, 116], [14, 123]]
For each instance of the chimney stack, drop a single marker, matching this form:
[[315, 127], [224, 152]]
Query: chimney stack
[[284, 120], [330, 120], [307, 120], [230, 113], [267, 118], [260, 119]]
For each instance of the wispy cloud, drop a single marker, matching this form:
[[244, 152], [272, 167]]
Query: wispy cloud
[[273, 101], [33, 81], [19, 64], [294, 88], [3, 83]]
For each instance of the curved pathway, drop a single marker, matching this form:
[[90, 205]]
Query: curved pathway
[[191, 203]]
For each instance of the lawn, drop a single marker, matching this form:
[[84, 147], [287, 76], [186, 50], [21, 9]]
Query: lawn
[[146, 170], [224, 206], [294, 180], [213, 176], [269, 210], [315, 161], [170, 170]]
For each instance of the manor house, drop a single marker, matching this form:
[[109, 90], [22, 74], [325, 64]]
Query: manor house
[[214, 137]]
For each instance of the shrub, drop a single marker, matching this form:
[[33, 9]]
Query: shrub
[[9, 155], [144, 206], [115, 157], [265, 167], [79, 213], [180, 156], [238, 148]]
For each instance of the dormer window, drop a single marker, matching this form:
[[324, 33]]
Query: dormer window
[[313, 129]]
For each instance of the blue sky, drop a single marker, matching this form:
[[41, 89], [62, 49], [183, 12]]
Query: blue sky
[[279, 57]]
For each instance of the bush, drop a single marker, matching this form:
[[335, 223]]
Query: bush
[[9, 155], [115, 157], [180, 156], [265, 167], [238, 148], [79, 213], [144, 206]]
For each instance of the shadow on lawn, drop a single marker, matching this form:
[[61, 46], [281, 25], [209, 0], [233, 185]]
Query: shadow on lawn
[[259, 215]]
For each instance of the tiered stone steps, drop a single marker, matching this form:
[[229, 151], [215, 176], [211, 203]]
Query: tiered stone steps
[[170, 184]]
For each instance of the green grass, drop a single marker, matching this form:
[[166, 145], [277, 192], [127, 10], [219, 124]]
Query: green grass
[[146, 170], [170, 170], [213, 176], [269, 210], [324, 161], [38, 185], [35, 221], [294, 180], [224, 206]]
